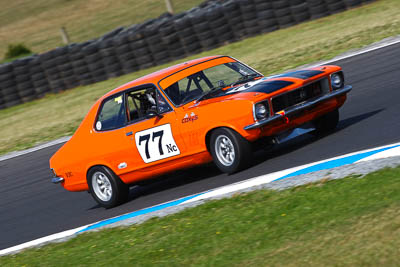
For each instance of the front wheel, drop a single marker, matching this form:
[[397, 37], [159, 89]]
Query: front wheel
[[106, 187], [230, 151]]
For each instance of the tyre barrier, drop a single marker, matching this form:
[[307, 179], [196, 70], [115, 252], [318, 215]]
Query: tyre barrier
[[156, 41]]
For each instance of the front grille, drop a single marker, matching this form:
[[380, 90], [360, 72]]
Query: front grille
[[297, 96]]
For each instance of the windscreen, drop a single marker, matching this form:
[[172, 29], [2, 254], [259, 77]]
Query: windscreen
[[197, 84]]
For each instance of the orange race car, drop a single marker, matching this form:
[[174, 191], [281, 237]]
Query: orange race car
[[211, 108]]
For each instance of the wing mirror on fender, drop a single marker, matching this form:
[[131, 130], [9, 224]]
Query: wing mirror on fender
[[151, 113]]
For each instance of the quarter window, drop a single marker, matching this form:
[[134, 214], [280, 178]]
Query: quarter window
[[112, 114]]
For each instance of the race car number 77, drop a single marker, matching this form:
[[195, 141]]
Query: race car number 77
[[156, 143]]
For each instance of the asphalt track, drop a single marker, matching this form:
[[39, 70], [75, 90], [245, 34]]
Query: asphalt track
[[31, 207]]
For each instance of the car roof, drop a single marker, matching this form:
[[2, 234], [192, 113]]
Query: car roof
[[155, 77]]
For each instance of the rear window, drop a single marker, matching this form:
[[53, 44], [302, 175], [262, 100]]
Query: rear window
[[112, 114]]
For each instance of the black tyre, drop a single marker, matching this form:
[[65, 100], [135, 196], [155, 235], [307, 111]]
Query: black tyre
[[169, 29], [285, 21], [107, 52], [40, 83], [11, 100], [326, 123], [300, 17], [161, 56], [208, 43], [7, 84], [177, 53], [263, 6], [301, 8], [81, 70], [6, 76], [11, 90], [38, 76], [202, 26], [95, 66], [144, 59], [170, 39], [138, 44], [278, 4], [194, 47], [114, 67], [5, 68], [250, 23], [110, 60], [141, 52], [189, 40], [122, 49], [230, 151], [11, 103], [217, 23], [336, 7], [319, 11], [266, 15], [283, 12], [21, 70], [22, 78], [268, 23], [106, 187], [352, 3], [157, 48]]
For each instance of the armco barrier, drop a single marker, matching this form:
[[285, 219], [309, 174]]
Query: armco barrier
[[124, 50]]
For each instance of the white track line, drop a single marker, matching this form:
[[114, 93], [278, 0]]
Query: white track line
[[36, 148], [267, 178], [41, 241], [217, 192], [369, 48]]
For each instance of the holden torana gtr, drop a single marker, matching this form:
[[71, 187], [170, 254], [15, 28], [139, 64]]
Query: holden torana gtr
[[208, 109]]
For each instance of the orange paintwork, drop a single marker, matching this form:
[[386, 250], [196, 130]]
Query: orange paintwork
[[89, 147]]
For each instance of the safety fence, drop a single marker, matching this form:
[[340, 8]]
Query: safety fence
[[124, 50]]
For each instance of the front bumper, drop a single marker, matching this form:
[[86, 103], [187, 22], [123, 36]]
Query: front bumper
[[57, 180], [300, 107]]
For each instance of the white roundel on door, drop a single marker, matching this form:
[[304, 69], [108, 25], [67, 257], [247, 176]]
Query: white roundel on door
[[156, 143]]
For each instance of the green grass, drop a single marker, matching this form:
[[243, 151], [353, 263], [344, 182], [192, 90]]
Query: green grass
[[59, 115], [349, 222], [37, 23], [15, 58]]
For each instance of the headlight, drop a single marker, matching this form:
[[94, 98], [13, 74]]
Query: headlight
[[260, 111], [337, 80]]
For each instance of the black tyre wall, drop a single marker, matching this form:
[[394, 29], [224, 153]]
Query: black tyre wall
[[156, 41]]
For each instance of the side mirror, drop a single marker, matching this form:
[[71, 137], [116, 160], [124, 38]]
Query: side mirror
[[151, 113]]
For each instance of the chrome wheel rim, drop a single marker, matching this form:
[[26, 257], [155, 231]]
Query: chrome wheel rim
[[225, 150], [101, 186]]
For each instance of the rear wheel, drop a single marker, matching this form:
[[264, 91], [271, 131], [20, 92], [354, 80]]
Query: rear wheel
[[326, 123], [106, 187], [230, 151]]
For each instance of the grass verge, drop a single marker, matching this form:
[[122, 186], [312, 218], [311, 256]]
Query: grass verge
[[59, 115], [37, 23], [348, 222]]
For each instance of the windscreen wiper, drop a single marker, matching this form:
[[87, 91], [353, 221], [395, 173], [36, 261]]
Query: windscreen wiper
[[246, 78], [212, 91]]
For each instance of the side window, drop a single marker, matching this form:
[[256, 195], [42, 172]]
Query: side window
[[141, 101], [112, 114]]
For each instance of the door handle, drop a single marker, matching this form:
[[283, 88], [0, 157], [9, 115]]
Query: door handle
[[129, 134]]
